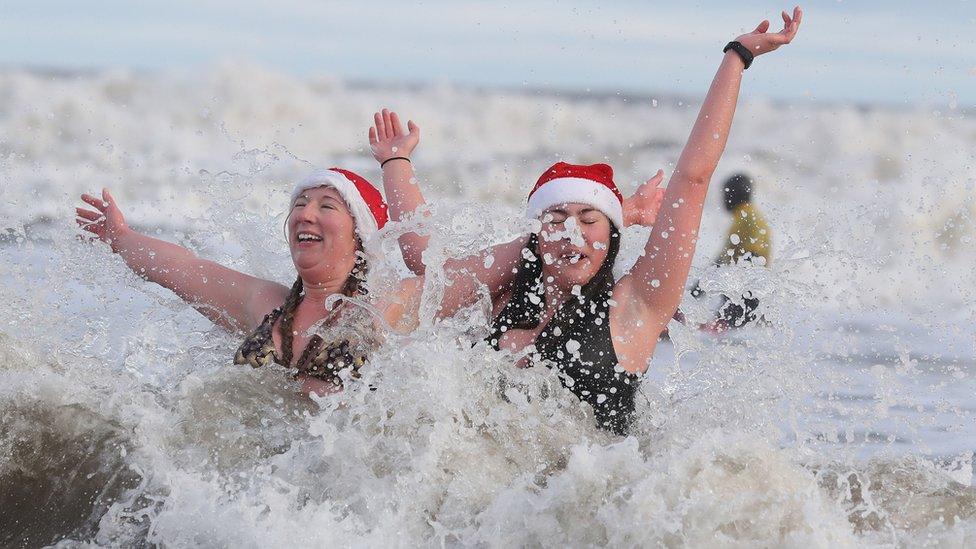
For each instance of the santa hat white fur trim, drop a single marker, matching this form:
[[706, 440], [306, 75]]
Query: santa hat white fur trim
[[576, 189], [366, 226]]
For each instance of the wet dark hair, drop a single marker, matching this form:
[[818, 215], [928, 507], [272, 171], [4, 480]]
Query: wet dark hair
[[738, 190], [524, 308]]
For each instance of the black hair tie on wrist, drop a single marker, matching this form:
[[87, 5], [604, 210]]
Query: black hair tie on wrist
[[741, 50], [383, 163]]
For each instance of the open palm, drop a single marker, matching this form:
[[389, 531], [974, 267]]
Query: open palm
[[759, 41], [107, 223], [387, 138]]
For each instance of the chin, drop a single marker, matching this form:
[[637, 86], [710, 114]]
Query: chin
[[305, 260], [569, 276]]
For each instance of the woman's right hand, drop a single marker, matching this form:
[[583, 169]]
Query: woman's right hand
[[107, 223], [387, 138]]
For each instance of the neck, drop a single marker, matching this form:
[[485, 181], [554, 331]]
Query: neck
[[318, 290], [554, 297]]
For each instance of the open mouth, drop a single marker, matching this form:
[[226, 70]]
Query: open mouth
[[572, 258], [308, 237]]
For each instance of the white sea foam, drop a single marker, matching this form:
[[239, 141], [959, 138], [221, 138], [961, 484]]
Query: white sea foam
[[847, 423]]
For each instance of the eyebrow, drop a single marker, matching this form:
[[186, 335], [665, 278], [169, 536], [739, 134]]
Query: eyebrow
[[566, 213], [324, 197]]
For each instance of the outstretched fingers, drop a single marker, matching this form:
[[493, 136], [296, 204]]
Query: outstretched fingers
[[395, 121], [791, 24], [795, 24], [657, 179], [388, 124], [90, 221], [93, 227], [97, 203], [109, 199], [380, 128], [413, 128], [88, 214]]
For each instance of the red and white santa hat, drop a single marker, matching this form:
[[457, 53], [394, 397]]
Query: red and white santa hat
[[365, 202], [563, 183]]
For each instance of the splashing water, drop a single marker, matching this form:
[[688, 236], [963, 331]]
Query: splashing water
[[122, 421]]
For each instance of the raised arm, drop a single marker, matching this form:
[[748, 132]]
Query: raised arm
[[229, 298], [388, 141], [392, 147], [659, 276]]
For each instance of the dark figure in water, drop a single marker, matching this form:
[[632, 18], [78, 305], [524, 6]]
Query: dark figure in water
[[749, 239]]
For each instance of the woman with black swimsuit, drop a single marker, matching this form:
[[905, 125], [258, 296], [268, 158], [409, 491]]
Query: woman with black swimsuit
[[561, 305]]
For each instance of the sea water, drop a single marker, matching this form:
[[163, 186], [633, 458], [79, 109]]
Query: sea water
[[847, 421]]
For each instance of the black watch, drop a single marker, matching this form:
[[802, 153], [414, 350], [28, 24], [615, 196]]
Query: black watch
[[741, 50]]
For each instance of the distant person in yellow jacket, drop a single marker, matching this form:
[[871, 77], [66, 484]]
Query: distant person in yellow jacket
[[749, 239]]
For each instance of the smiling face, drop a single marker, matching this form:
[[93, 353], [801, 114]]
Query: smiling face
[[573, 244], [322, 235]]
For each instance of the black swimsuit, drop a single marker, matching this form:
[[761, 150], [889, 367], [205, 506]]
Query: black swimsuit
[[585, 357]]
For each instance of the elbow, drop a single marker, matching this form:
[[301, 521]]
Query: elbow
[[699, 178], [694, 175]]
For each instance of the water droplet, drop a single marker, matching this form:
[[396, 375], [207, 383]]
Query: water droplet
[[572, 346]]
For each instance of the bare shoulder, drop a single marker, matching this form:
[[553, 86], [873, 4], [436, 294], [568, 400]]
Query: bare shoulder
[[266, 295]]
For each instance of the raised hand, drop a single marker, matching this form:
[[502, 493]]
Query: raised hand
[[387, 138], [759, 41], [107, 223], [642, 207]]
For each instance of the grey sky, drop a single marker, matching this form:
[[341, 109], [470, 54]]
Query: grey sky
[[894, 51]]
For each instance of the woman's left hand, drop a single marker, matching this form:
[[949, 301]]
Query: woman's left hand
[[642, 207], [759, 41], [387, 138]]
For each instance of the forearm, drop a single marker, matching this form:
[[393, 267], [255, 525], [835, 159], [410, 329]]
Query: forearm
[[153, 259], [711, 130], [405, 198], [494, 268], [219, 293], [663, 269]]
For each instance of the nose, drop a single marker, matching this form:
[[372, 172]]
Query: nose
[[304, 213]]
